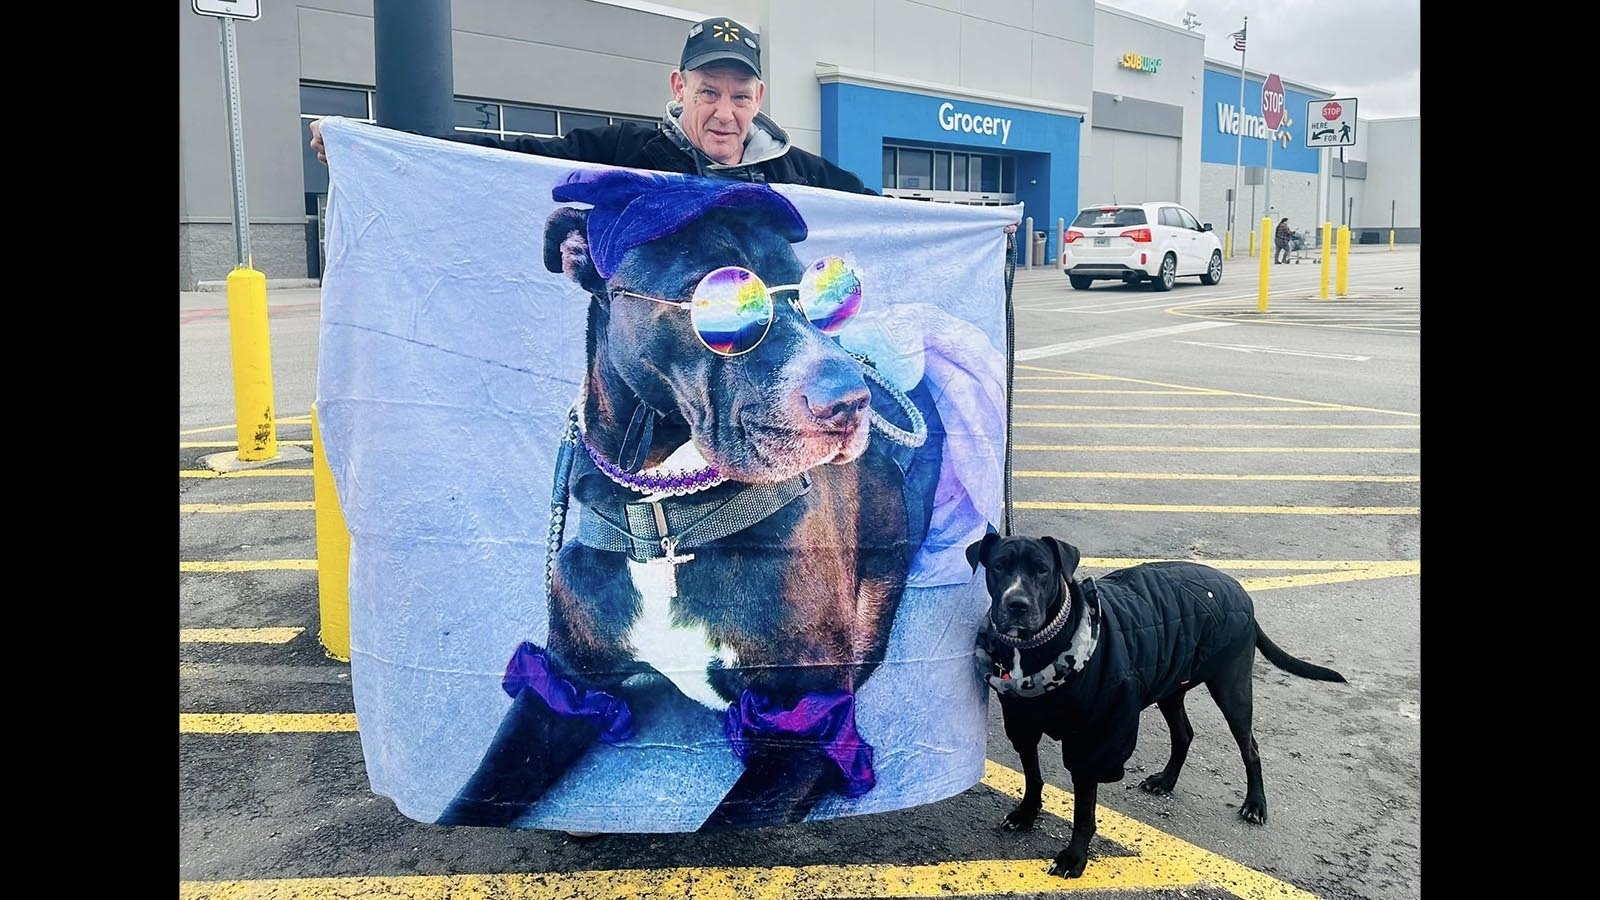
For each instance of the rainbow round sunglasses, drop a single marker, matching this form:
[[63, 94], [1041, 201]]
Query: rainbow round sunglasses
[[731, 308]]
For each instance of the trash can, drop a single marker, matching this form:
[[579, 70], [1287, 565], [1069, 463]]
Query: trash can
[[1038, 248]]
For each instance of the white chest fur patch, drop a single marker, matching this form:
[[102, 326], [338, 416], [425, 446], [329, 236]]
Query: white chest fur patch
[[682, 653]]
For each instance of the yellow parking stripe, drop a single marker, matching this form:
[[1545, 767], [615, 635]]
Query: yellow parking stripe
[[1027, 390], [1198, 476], [247, 473], [1229, 510], [1343, 406], [1122, 562], [955, 879], [287, 420], [1179, 448], [1204, 426], [1382, 570], [264, 723], [1210, 409], [260, 506], [1153, 845], [246, 565], [237, 635], [191, 445]]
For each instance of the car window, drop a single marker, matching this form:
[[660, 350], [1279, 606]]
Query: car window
[[1169, 217], [1188, 220], [1110, 217]]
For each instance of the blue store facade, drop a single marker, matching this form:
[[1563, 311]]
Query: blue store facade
[[916, 143]]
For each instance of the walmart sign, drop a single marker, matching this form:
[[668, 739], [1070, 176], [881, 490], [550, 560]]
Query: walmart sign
[[1139, 63], [1222, 122]]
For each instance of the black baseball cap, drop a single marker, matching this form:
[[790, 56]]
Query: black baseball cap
[[720, 40]]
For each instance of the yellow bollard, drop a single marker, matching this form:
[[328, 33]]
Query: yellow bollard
[[1327, 251], [1391, 239], [1266, 262], [1227, 245], [333, 553], [1344, 260], [1252, 243], [252, 364]]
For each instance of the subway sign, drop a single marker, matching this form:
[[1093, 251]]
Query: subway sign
[[1139, 62]]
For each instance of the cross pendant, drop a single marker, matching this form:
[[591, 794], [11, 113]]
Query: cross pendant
[[670, 562]]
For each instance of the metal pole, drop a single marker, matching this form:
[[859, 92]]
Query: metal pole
[[1027, 241], [1343, 220], [241, 212], [1238, 142], [1271, 139], [414, 65], [1061, 235]]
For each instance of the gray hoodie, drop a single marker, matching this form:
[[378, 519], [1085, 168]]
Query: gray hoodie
[[767, 141]]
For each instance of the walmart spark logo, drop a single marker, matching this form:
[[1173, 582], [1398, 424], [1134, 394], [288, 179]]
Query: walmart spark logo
[[1284, 135], [728, 31]]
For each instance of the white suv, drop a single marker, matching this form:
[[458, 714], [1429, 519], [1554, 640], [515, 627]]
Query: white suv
[[1134, 242]]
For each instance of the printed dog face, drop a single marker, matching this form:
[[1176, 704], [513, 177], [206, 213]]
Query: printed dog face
[[794, 401], [1025, 577]]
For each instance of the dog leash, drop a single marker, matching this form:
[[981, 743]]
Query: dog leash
[[559, 496]]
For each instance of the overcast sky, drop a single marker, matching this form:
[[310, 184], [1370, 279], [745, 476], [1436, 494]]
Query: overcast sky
[[1367, 49]]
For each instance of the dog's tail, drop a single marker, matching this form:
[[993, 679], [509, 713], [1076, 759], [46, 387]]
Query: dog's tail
[[1292, 665]]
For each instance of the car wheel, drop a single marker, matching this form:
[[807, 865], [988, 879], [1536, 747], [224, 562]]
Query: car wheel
[[1169, 273], [1214, 271], [1079, 282]]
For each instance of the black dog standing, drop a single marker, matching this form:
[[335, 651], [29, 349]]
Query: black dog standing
[[1079, 659]]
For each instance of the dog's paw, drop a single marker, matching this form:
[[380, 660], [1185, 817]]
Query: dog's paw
[[1254, 811], [1158, 783], [1021, 818], [1070, 862]]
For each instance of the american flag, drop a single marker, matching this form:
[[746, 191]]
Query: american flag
[[1238, 40]]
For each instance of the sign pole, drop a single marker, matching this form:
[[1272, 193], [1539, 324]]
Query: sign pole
[[254, 419], [241, 215]]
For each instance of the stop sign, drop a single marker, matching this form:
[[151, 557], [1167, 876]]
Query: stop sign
[[1272, 101], [1332, 111]]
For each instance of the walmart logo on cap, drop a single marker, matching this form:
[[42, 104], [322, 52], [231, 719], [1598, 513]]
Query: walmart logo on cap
[[728, 31]]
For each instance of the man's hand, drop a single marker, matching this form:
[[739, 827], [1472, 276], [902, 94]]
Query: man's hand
[[316, 141], [1010, 229]]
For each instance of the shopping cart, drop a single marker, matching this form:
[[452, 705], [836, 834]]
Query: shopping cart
[[1302, 242]]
